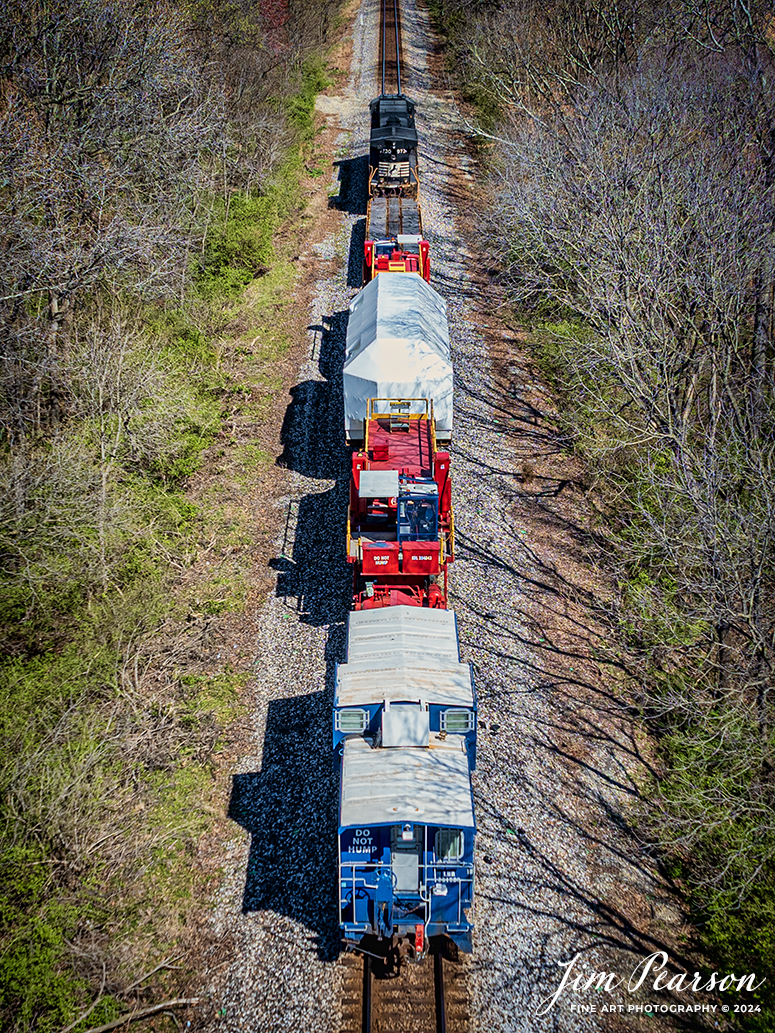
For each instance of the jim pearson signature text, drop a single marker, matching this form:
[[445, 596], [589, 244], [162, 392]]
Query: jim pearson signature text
[[651, 973]]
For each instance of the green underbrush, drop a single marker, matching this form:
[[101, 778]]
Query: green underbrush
[[240, 243], [300, 107], [103, 806]]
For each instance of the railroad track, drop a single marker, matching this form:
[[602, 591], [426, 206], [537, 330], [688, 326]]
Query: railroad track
[[425, 997], [390, 47], [429, 996]]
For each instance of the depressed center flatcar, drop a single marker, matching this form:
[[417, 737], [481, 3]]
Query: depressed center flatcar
[[397, 347], [400, 524], [404, 729], [394, 238]]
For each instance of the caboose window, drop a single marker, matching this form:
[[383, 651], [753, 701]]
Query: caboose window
[[352, 721], [457, 721], [449, 845]]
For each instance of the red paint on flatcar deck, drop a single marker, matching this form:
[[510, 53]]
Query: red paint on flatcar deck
[[408, 451]]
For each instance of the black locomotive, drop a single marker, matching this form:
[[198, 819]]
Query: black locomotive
[[392, 147]]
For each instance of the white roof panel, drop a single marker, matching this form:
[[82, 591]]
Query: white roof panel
[[401, 633], [397, 347], [429, 786], [434, 679]]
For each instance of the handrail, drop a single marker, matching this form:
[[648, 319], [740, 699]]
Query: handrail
[[373, 415], [352, 881], [428, 866]]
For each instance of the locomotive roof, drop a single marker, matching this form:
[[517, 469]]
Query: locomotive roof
[[392, 120], [392, 104], [387, 134], [401, 634], [387, 786], [434, 680]]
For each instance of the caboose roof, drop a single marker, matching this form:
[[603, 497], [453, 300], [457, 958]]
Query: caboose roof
[[436, 680], [382, 786], [401, 634]]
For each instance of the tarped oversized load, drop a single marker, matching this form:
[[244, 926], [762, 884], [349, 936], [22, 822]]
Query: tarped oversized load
[[397, 347]]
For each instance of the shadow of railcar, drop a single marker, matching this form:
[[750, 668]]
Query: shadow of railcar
[[353, 185], [353, 198], [355, 257], [289, 807], [313, 568], [292, 860]]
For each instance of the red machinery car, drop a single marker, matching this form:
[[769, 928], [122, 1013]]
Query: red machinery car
[[400, 523]]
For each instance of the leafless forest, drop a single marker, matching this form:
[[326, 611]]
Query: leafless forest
[[632, 205], [148, 154]]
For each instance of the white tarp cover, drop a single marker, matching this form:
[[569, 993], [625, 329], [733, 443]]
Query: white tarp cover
[[397, 347]]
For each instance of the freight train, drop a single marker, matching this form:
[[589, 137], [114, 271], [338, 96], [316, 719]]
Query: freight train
[[404, 723]]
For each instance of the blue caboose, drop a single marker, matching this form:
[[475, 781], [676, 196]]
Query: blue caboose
[[406, 843], [405, 733]]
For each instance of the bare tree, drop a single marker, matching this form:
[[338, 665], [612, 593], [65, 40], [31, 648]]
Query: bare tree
[[635, 200], [102, 134]]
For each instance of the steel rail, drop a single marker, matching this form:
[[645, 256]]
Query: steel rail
[[441, 1010], [384, 41], [398, 53], [367, 977], [370, 1018], [384, 45]]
